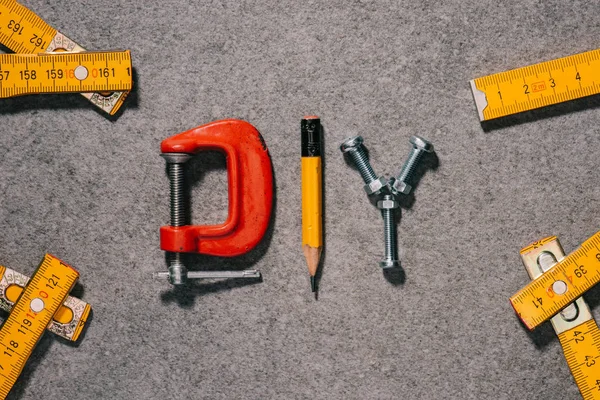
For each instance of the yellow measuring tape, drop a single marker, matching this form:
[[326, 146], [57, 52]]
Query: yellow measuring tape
[[560, 285], [537, 85], [68, 321], [22, 31], [64, 73], [576, 329], [42, 298]]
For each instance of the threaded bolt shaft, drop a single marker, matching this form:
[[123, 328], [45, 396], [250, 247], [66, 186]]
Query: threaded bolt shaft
[[354, 147], [389, 228], [419, 147], [360, 159], [408, 169], [178, 204], [179, 211]]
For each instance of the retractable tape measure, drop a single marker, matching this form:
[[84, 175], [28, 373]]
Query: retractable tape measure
[[537, 85], [23, 32], [560, 285], [32, 313], [64, 73], [576, 329]]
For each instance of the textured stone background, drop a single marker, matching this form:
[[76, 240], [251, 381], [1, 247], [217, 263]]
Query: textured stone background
[[94, 192]]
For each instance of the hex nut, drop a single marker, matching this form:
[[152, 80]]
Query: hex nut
[[375, 186], [388, 264], [385, 204], [400, 187], [421, 144], [351, 144]]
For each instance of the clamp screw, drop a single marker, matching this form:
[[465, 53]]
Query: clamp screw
[[177, 271], [419, 147], [354, 147], [387, 205]]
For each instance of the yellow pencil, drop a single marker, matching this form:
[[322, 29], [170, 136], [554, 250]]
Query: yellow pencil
[[312, 197]]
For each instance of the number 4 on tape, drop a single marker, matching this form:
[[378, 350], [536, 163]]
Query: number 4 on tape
[[34, 310]]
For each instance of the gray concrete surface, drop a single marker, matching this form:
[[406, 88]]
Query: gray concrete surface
[[94, 192]]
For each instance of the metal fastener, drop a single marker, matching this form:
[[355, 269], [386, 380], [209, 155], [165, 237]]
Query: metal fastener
[[177, 271], [355, 149], [387, 206], [420, 146]]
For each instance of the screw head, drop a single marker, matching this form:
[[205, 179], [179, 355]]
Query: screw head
[[388, 264], [422, 144], [351, 144]]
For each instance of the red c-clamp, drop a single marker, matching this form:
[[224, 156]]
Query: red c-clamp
[[250, 181]]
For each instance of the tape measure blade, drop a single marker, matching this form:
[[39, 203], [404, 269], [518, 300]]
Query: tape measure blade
[[69, 321], [64, 73], [539, 300], [21, 30], [581, 347], [21, 331], [542, 84]]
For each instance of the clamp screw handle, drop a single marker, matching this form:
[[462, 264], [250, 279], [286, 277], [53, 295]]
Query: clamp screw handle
[[354, 147]]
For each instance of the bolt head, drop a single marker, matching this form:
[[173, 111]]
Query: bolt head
[[422, 144], [399, 187], [375, 186], [389, 264], [351, 144], [387, 204]]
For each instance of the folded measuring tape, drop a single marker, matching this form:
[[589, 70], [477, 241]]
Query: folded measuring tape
[[64, 73], [24, 32], [576, 329], [34, 310], [537, 85], [560, 285], [68, 322]]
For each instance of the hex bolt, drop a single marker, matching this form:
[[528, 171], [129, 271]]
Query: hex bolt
[[179, 213], [355, 149], [420, 146], [387, 206]]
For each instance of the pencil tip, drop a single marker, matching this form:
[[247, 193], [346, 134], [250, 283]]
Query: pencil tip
[[313, 284]]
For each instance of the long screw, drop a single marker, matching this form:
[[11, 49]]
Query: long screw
[[177, 272], [420, 146], [387, 206], [355, 149]]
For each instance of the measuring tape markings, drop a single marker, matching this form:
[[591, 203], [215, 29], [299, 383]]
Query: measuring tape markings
[[23, 31], [575, 326], [33, 33], [64, 72], [561, 285], [581, 346], [35, 308], [538, 85], [68, 321]]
